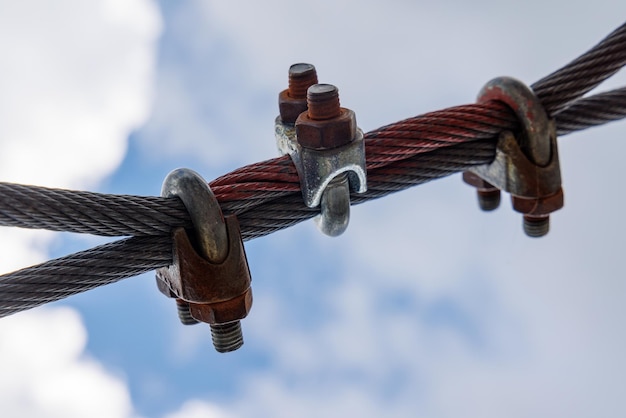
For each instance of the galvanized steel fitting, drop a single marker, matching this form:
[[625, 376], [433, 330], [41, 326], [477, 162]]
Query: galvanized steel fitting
[[527, 162], [209, 275], [325, 145], [330, 158]]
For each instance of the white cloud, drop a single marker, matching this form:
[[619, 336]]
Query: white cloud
[[541, 320], [76, 80], [45, 372], [199, 409], [541, 332]]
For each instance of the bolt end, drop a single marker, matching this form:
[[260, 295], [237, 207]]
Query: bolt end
[[184, 313], [488, 200], [323, 101], [301, 77], [536, 226], [227, 337]]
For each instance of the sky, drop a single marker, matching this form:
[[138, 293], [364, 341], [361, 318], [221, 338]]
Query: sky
[[424, 307]]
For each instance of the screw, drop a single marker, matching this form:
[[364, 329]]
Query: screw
[[323, 101], [184, 313], [536, 226], [488, 199], [227, 337], [324, 109], [488, 194], [301, 77], [292, 101]]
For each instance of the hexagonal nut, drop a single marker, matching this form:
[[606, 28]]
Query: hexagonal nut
[[289, 107], [475, 180], [326, 134], [223, 312], [538, 206]]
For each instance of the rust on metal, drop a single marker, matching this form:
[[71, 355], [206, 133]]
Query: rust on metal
[[293, 100], [216, 292], [488, 195], [527, 162], [325, 125], [323, 102]]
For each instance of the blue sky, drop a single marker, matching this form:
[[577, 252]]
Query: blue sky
[[425, 307]]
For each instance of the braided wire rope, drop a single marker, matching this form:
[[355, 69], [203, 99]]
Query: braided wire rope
[[270, 187], [266, 196], [62, 277]]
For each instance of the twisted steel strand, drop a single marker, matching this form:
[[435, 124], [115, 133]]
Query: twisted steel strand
[[582, 75], [109, 263], [266, 195], [592, 111], [87, 212], [79, 272], [244, 190]]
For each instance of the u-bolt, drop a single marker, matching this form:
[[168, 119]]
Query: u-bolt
[[527, 162], [211, 241], [329, 157], [325, 145], [324, 114]]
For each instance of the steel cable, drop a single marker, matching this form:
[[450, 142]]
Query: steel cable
[[59, 278], [266, 196], [559, 89], [592, 111]]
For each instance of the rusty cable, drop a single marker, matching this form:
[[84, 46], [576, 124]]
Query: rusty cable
[[266, 196]]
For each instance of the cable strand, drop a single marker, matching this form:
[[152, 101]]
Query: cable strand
[[266, 196]]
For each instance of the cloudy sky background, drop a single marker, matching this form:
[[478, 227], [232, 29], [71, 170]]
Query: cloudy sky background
[[425, 307]]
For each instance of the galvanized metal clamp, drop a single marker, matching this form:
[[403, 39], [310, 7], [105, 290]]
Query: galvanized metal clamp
[[325, 145], [526, 163], [209, 275]]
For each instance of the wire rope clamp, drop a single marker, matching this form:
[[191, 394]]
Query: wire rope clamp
[[329, 155], [209, 274], [526, 163]]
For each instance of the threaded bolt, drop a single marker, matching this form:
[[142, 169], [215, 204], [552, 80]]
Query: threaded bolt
[[323, 101], [227, 337], [184, 313], [536, 226], [301, 77], [489, 199]]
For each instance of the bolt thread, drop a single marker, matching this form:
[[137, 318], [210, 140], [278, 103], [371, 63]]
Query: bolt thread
[[301, 77], [536, 226], [227, 337], [488, 200], [184, 313], [323, 101]]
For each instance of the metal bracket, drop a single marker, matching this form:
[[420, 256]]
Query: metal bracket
[[326, 176], [527, 164], [209, 273], [317, 168], [331, 168]]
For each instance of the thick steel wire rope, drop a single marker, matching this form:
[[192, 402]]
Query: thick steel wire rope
[[266, 196], [256, 184], [76, 273], [592, 111], [268, 183], [62, 277], [559, 89]]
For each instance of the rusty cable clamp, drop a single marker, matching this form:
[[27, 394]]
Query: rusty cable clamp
[[325, 144], [209, 275], [526, 163]]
